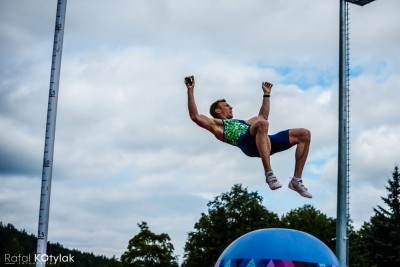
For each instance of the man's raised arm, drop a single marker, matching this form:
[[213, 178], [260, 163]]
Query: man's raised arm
[[199, 119], [264, 110]]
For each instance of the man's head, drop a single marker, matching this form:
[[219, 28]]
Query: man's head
[[221, 110]]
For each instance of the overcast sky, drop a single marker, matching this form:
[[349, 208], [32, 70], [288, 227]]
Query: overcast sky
[[126, 150]]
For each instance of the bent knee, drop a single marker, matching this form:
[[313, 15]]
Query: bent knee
[[259, 125], [305, 135], [299, 135]]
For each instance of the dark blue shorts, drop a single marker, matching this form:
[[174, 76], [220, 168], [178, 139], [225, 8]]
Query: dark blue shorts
[[279, 142]]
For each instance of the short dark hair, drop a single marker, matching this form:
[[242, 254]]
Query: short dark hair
[[214, 106]]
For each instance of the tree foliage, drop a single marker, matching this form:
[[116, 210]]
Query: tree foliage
[[15, 242], [147, 249], [358, 254], [230, 215], [312, 221], [381, 236]]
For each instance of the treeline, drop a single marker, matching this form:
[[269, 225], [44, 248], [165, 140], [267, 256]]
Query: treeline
[[16, 247], [229, 216], [234, 213]]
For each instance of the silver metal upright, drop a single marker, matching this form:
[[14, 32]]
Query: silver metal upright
[[343, 193], [342, 197], [44, 210]]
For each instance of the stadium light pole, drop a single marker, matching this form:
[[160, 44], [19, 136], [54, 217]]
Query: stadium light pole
[[343, 148]]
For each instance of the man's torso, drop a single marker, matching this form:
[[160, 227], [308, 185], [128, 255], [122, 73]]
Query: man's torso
[[233, 130]]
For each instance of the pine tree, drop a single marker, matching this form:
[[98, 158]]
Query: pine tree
[[382, 235]]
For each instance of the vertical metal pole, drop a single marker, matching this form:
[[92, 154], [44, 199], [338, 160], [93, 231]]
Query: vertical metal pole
[[41, 256], [341, 223]]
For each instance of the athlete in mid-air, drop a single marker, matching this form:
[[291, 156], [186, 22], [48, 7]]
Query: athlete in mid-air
[[251, 135]]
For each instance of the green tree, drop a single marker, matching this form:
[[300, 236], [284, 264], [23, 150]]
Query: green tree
[[15, 242], [312, 221], [147, 249], [358, 254], [381, 236], [230, 215]]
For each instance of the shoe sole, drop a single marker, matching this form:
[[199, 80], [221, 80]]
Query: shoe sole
[[274, 188], [294, 189]]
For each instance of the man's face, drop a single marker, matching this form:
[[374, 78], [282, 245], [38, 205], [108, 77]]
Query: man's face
[[225, 111]]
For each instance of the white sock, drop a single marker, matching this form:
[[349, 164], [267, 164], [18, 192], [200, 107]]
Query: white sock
[[294, 179]]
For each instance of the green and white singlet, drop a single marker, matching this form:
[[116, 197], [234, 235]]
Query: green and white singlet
[[236, 132], [233, 129]]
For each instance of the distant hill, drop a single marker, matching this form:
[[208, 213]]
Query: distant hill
[[19, 247]]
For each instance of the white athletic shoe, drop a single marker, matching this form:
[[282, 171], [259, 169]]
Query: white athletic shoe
[[272, 181], [299, 188]]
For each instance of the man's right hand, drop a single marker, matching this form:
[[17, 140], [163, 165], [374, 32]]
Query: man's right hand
[[189, 82]]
